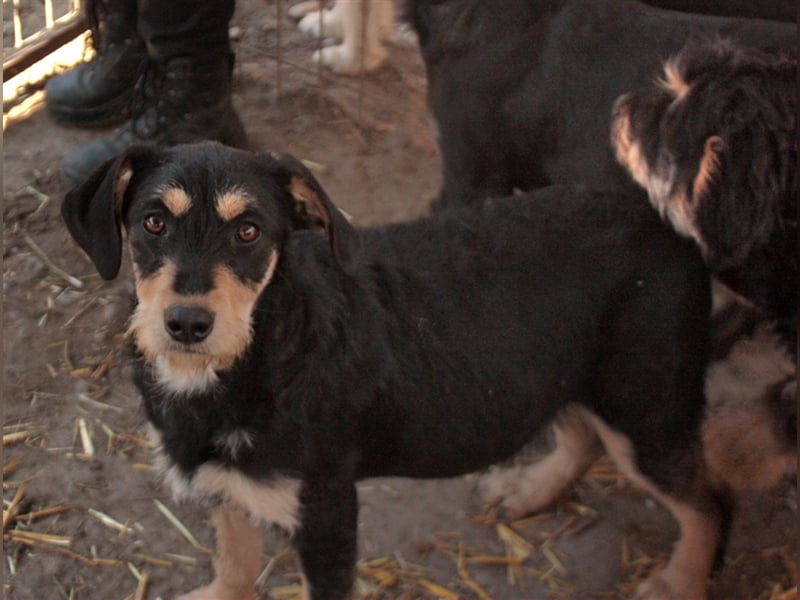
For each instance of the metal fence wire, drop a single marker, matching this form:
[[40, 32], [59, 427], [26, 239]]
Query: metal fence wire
[[35, 29]]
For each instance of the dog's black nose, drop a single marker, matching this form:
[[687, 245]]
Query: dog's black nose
[[188, 324]]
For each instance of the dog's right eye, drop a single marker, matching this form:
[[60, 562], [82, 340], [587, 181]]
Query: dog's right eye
[[154, 224]]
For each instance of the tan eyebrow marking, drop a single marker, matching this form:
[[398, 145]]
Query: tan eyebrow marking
[[709, 167], [673, 81], [232, 203], [176, 200]]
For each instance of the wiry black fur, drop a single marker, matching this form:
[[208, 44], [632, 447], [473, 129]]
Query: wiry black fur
[[747, 215], [522, 90], [443, 345]]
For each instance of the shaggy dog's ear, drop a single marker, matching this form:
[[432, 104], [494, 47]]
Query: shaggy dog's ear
[[748, 174], [313, 209], [93, 210]]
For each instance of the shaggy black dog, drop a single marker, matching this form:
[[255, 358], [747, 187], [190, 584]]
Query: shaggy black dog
[[714, 143], [521, 91], [284, 355]]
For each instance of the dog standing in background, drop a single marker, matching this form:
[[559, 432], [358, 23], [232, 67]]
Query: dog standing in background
[[360, 26], [284, 355], [521, 91]]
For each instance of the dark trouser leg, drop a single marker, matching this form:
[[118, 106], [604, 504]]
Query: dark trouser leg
[[184, 94], [185, 28], [98, 93]]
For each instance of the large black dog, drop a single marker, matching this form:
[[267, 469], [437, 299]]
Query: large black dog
[[284, 355], [521, 91]]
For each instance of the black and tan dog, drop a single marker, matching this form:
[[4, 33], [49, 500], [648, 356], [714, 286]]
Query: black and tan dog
[[714, 143], [715, 146], [750, 428], [521, 91], [279, 365]]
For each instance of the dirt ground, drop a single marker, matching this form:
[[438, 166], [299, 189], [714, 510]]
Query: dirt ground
[[72, 423]]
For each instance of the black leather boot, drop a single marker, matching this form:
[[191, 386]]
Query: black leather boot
[[184, 99], [98, 93]]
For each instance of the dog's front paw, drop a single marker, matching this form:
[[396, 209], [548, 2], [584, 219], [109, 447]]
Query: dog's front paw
[[496, 484], [218, 592], [321, 24], [344, 60], [657, 587], [520, 491], [300, 10]]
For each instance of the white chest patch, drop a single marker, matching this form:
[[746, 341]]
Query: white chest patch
[[186, 377], [275, 501], [234, 442]]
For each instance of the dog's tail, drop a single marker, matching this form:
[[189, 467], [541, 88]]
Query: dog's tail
[[750, 429]]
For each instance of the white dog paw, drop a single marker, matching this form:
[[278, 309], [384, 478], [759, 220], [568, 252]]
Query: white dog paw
[[497, 484], [343, 60], [325, 26], [519, 491], [300, 10]]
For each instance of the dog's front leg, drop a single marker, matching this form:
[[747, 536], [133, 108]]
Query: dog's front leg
[[327, 538], [237, 561]]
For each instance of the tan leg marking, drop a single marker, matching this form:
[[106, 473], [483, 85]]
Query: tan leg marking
[[301, 9], [741, 432], [362, 28], [529, 488], [686, 575], [237, 561]]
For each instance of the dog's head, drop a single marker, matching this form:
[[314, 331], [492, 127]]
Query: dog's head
[[714, 144], [205, 226]]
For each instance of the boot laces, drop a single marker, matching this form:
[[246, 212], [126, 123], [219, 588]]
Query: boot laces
[[145, 103]]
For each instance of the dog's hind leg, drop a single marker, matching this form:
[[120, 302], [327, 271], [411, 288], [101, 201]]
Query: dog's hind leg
[[301, 9], [526, 489], [700, 521], [362, 41], [238, 559], [326, 22]]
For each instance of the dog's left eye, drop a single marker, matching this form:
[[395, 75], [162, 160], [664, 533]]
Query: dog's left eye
[[247, 233], [154, 224]]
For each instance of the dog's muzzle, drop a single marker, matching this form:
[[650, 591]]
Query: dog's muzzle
[[188, 324]]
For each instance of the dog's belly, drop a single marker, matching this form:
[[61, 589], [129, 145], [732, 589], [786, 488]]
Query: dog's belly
[[463, 432]]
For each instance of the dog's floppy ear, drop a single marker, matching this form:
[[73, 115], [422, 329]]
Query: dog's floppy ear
[[314, 209], [748, 176], [92, 211]]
